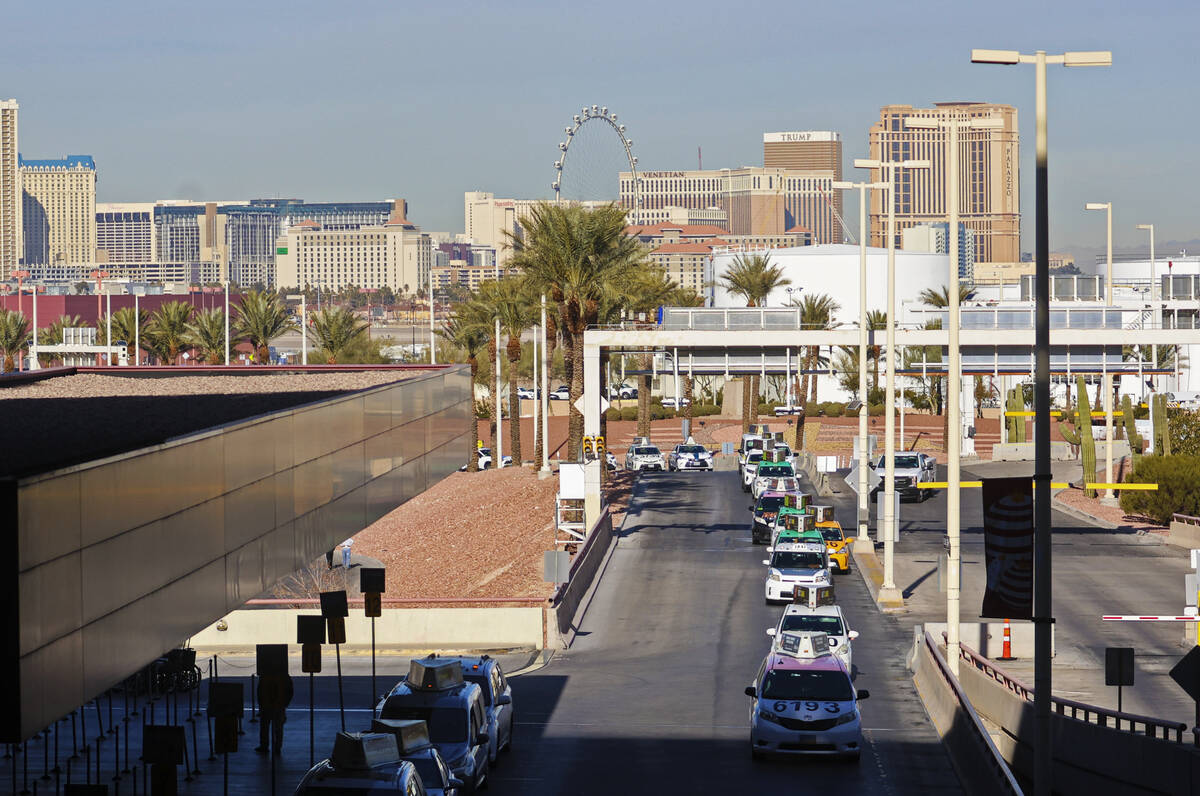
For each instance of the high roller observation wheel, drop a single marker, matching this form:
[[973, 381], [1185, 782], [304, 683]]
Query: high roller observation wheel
[[598, 113]]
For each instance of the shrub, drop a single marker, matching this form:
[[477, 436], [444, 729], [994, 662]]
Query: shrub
[[703, 410], [765, 408], [1178, 479], [613, 414], [629, 413], [483, 409], [875, 410], [1184, 428], [834, 409]]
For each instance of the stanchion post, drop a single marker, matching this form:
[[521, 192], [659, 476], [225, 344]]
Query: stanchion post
[[310, 635], [371, 582], [335, 609]]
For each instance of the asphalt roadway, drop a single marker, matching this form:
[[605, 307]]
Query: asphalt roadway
[[649, 698]]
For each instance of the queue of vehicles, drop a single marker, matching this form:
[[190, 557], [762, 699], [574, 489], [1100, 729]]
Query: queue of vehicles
[[440, 731], [803, 699]]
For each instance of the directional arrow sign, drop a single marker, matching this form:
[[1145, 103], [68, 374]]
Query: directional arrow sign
[[581, 401], [1187, 673], [873, 478]]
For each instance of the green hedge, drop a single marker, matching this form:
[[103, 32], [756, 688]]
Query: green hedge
[[629, 413], [875, 410], [1178, 479]]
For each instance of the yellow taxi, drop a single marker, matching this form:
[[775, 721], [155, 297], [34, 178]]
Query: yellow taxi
[[836, 543]]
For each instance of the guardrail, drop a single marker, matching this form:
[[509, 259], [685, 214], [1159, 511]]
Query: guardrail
[[1079, 711], [1186, 519], [980, 765]]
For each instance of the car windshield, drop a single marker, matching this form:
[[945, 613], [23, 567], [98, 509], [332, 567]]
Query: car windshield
[[484, 684], [792, 559], [646, 451], [812, 624], [832, 534], [690, 449], [768, 503], [754, 456], [824, 686], [485, 451], [774, 470], [903, 462], [446, 725], [429, 771]]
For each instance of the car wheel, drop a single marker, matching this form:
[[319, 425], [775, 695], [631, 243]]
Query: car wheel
[[512, 729], [484, 780], [756, 755], [852, 757]]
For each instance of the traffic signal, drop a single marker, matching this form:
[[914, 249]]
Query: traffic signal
[[598, 446]]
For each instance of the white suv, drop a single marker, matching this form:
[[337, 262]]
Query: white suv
[[827, 619]]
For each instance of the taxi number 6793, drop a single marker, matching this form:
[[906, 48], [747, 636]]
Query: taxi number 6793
[[830, 707]]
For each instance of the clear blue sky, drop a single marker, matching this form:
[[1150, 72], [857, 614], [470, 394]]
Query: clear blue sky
[[325, 101]]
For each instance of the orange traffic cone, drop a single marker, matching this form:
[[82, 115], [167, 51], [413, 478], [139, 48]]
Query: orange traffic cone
[[1006, 649]]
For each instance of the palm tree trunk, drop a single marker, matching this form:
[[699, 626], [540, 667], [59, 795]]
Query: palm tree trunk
[[643, 381], [575, 425], [745, 404], [755, 388], [472, 457], [514, 401], [687, 395], [493, 399]]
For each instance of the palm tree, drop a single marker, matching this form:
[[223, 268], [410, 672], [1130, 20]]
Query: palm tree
[[940, 299], [470, 338], [876, 322], [816, 312], [511, 301], [53, 334], [166, 333], [752, 277], [206, 333], [261, 318], [644, 291], [333, 330], [127, 327], [685, 297], [14, 336], [578, 258]]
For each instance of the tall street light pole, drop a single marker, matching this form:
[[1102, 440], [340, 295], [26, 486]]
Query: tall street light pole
[[1104, 379], [1043, 756], [545, 394], [432, 325], [888, 591], [226, 323], [953, 127], [303, 326], [1108, 276], [1152, 295], [862, 543]]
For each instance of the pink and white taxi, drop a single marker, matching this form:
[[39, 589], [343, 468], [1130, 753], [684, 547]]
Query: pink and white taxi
[[803, 702]]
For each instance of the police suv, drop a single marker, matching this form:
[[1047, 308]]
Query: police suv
[[792, 565], [802, 701], [435, 692]]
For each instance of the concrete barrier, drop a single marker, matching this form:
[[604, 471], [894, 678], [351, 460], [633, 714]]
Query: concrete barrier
[[1088, 758], [987, 638], [1184, 534], [1023, 451], [398, 628], [980, 767], [560, 627]]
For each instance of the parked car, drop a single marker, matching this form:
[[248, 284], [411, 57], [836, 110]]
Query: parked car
[[484, 456], [527, 394], [669, 403], [622, 391], [911, 469], [562, 393]]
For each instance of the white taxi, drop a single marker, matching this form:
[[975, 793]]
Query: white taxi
[[803, 703], [827, 619], [792, 565]]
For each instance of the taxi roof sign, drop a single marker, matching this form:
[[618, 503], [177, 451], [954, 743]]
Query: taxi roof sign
[[433, 674], [363, 750], [411, 734], [813, 596], [800, 644]]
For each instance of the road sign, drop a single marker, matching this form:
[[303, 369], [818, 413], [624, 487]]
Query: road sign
[[873, 478], [581, 401], [872, 444], [556, 566], [1118, 666], [1187, 673]]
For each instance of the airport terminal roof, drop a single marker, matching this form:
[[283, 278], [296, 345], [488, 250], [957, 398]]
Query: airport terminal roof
[[81, 416]]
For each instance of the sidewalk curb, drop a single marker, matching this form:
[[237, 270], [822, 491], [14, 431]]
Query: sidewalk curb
[[1083, 516], [871, 570]]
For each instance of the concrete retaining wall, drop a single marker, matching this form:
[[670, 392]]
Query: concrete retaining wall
[[980, 767], [987, 638], [1184, 535], [560, 618], [1023, 451], [1087, 758], [398, 628]]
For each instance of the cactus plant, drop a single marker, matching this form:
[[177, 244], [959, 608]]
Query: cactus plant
[[1081, 435], [1158, 417], [1136, 443], [1016, 423]]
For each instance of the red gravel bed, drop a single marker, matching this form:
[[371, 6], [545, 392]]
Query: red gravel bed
[[470, 535]]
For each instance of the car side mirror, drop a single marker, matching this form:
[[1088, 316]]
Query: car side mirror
[[862, 695], [504, 699], [455, 782], [853, 634], [750, 508], [771, 632], [482, 737], [766, 562], [770, 549], [750, 691]]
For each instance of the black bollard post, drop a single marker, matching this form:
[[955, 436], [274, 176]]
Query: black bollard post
[[195, 749], [56, 768], [253, 700], [337, 648], [13, 755], [136, 679], [125, 702], [311, 723], [25, 767], [74, 742], [225, 775], [211, 755], [46, 756], [99, 722], [111, 729], [87, 764], [187, 770], [125, 770], [117, 755]]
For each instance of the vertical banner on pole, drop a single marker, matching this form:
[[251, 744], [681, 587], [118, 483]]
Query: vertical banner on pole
[[1008, 548]]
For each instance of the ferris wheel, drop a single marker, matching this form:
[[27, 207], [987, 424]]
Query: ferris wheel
[[598, 160]]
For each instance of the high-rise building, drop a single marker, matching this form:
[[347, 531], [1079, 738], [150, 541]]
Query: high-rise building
[[935, 238], [806, 150], [395, 254], [11, 251], [989, 193], [125, 232], [756, 201], [58, 210]]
